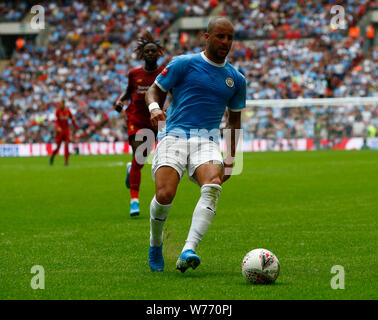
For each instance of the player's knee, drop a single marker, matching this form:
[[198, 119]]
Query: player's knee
[[165, 195], [214, 180]]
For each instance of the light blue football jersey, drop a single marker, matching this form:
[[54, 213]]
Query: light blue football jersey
[[201, 91]]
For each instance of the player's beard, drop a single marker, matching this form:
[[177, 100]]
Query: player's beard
[[218, 55], [223, 52], [151, 63]]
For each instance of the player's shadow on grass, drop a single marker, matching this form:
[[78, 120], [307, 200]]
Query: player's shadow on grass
[[196, 274], [140, 217], [174, 274], [261, 285]]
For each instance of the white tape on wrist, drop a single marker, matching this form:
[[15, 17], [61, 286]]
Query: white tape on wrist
[[153, 105]]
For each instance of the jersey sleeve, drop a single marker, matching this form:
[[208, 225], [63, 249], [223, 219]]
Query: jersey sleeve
[[172, 74], [130, 85], [238, 100]]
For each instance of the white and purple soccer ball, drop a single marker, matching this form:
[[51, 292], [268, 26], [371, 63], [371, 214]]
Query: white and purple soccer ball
[[260, 266]]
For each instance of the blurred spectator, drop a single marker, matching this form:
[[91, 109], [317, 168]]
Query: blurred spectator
[[371, 131], [20, 42], [370, 35], [358, 127], [354, 31]]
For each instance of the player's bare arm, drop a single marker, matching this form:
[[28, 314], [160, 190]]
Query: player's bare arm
[[153, 95], [74, 123], [233, 124], [119, 103]]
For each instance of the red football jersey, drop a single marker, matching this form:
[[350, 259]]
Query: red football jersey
[[139, 82], [62, 117]]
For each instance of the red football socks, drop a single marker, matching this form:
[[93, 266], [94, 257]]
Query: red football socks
[[135, 178], [66, 153]]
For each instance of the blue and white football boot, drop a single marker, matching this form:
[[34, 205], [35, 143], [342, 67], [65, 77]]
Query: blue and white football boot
[[134, 208], [155, 258], [187, 259]]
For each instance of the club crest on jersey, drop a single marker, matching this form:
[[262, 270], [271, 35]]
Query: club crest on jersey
[[164, 72], [229, 82]]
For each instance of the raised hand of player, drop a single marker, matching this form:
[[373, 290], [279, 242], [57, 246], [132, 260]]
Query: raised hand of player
[[157, 115]]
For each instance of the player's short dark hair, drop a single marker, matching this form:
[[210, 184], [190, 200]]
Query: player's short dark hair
[[215, 20], [145, 39]]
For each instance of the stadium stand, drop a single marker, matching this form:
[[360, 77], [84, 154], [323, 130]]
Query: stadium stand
[[288, 18], [90, 50], [12, 11]]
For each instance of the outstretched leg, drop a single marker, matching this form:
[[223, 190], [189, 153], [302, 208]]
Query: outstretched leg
[[134, 170], [135, 178], [55, 152], [66, 153], [166, 182], [209, 177]]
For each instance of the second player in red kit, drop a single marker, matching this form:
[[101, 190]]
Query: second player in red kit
[[62, 129], [138, 115]]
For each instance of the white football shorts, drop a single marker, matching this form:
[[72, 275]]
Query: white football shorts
[[185, 154]]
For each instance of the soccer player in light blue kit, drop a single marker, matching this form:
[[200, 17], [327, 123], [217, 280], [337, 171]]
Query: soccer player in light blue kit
[[202, 86]]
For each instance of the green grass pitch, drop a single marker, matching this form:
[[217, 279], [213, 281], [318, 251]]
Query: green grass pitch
[[314, 210]]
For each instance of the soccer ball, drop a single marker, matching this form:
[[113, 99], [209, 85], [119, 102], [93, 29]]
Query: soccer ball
[[260, 266]]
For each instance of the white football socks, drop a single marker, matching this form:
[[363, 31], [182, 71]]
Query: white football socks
[[203, 215], [158, 215]]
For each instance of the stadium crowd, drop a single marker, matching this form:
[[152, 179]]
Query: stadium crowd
[[12, 11], [317, 122], [91, 50], [289, 18]]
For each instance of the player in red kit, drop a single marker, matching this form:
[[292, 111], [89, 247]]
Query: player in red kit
[[138, 115], [62, 130]]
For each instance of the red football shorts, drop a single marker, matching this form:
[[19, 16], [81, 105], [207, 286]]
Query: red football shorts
[[133, 126], [63, 135]]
